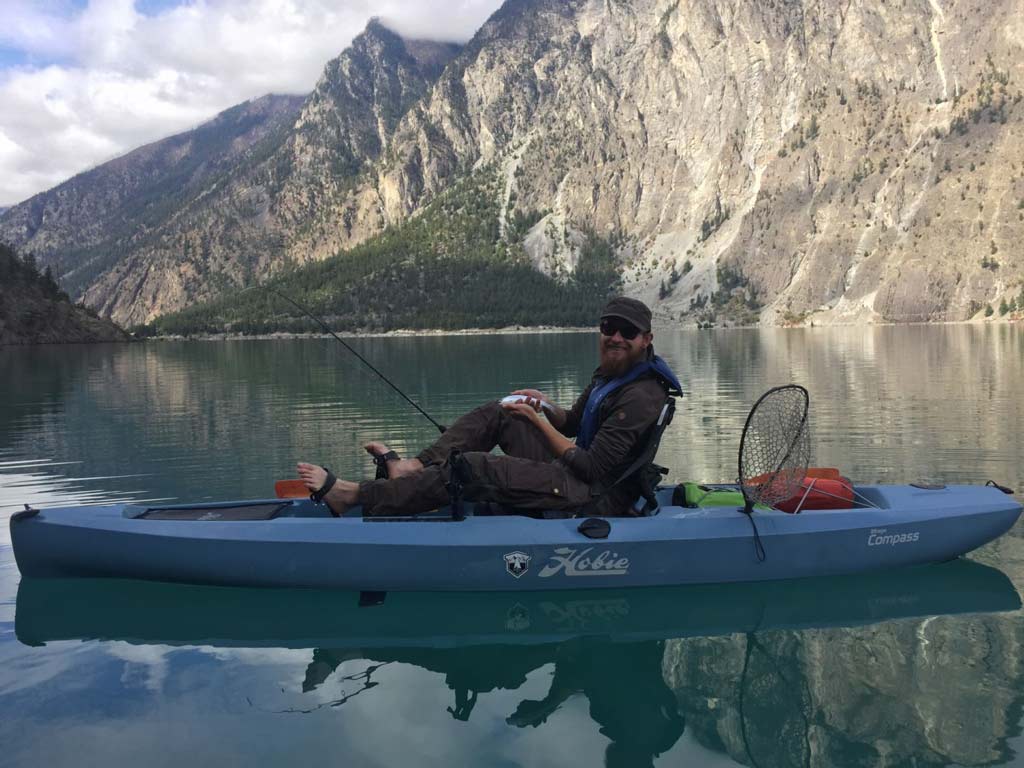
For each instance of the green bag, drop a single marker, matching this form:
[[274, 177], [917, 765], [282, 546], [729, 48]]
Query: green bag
[[697, 495]]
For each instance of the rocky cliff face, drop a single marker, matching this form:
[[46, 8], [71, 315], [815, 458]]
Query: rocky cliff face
[[805, 161], [790, 161]]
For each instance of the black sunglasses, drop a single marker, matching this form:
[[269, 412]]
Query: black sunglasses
[[610, 325]]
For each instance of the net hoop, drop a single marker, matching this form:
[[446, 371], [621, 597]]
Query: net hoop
[[793, 444]]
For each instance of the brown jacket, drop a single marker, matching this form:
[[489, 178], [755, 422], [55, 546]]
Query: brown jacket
[[626, 418]]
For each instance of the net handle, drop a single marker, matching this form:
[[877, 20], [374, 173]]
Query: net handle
[[748, 504]]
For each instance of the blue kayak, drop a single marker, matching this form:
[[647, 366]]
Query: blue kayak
[[296, 543]]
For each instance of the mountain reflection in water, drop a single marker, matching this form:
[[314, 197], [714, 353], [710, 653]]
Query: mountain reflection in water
[[729, 664]]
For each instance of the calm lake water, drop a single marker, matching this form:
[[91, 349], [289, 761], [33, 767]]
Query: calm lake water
[[920, 667]]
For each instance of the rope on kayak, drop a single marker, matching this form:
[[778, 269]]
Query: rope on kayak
[[758, 546], [860, 500]]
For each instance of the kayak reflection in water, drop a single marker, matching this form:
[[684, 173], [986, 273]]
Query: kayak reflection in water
[[623, 683], [542, 469]]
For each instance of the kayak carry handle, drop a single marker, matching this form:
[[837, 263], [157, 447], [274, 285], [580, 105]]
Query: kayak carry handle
[[1003, 488], [24, 514]]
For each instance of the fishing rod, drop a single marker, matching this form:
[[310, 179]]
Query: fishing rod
[[365, 362]]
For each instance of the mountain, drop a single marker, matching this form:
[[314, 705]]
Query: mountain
[[33, 309], [280, 163], [83, 226], [447, 267], [796, 160], [788, 162]]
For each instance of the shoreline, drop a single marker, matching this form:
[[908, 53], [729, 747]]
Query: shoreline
[[513, 329], [545, 329], [398, 333]]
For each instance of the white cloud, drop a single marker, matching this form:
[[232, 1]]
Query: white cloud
[[36, 30], [112, 78]]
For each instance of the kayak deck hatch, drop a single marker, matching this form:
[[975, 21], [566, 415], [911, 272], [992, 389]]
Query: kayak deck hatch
[[210, 512]]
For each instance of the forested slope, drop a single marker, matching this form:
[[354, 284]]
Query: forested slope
[[447, 268], [34, 310]]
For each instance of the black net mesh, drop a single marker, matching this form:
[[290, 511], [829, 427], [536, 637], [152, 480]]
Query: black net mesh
[[775, 449]]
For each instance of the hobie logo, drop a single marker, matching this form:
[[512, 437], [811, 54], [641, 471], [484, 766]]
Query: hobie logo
[[574, 562], [517, 563]]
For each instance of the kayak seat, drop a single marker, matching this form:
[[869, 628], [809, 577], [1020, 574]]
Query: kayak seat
[[494, 509], [647, 474]]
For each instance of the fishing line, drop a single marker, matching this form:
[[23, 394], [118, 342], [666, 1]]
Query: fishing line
[[341, 341]]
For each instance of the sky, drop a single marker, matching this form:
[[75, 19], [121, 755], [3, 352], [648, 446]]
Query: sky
[[83, 81]]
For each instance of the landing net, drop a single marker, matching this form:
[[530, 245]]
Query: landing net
[[775, 449]]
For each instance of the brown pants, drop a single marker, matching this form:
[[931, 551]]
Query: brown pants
[[528, 476]]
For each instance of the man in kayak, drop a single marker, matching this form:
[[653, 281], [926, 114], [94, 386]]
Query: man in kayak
[[542, 469]]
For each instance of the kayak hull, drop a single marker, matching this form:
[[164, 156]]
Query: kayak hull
[[302, 546]]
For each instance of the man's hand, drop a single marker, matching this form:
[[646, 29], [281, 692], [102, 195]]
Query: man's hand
[[534, 397], [558, 442], [530, 409], [555, 414]]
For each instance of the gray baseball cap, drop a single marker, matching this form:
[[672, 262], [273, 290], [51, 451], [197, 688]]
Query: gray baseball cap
[[631, 310]]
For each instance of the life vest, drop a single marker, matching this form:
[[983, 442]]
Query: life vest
[[589, 422]]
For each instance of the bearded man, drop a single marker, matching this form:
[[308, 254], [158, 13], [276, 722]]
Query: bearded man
[[542, 469]]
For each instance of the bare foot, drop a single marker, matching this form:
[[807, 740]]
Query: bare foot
[[341, 495], [376, 448], [396, 467]]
